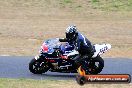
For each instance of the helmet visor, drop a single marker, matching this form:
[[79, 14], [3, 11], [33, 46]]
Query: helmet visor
[[70, 36]]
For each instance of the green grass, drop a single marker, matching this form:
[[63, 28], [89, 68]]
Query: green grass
[[30, 83], [67, 1], [94, 1], [105, 5], [112, 5]]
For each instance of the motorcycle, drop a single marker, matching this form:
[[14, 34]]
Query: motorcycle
[[53, 56]]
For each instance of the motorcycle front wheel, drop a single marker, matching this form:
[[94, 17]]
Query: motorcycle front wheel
[[38, 66]]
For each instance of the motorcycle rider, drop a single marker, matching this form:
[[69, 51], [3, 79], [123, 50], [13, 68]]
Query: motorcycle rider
[[82, 45]]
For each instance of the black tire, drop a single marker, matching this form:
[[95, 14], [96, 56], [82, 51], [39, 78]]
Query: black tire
[[34, 66], [95, 69], [81, 80]]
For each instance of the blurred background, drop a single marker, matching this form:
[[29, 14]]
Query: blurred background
[[25, 24]]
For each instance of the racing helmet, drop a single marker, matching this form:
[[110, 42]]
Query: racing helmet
[[71, 33]]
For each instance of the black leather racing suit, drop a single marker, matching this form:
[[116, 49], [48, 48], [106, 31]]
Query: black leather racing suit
[[84, 47]]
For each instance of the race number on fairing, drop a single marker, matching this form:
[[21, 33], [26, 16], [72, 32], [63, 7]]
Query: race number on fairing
[[103, 49]]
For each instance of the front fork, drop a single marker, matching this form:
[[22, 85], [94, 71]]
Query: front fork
[[39, 56]]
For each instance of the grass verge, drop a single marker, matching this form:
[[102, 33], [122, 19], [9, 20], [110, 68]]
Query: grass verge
[[30, 83]]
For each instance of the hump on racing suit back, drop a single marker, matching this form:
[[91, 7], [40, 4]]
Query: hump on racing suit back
[[85, 47]]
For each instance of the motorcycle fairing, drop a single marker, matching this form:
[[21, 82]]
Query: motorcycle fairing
[[48, 47], [100, 49]]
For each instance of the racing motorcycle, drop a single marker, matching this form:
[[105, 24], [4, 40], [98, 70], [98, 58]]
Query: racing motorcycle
[[53, 56]]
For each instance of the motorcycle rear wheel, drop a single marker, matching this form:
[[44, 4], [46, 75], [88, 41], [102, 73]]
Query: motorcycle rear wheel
[[96, 68]]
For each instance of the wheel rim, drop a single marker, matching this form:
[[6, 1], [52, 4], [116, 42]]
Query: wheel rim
[[39, 66], [93, 67]]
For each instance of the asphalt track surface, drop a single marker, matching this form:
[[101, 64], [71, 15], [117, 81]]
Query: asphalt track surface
[[17, 67]]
